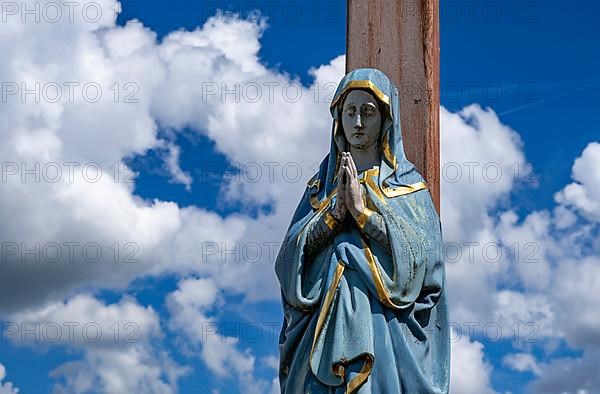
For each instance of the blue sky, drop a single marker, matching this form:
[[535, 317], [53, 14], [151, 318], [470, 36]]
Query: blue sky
[[521, 75]]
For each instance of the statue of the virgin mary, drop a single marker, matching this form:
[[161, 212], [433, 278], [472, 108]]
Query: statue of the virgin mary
[[361, 268]]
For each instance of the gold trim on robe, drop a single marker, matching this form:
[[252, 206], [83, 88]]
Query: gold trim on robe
[[329, 296], [387, 151], [405, 189], [376, 274], [362, 376]]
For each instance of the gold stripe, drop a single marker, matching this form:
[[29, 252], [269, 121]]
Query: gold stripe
[[314, 202], [316, 182], [320, 205], [330, 221], [387, 151], [376, 189], [363, 218], [379, 286], [402, 190], [339, 270], [361, 377], [369, 177], [362, 84], [369, 173]]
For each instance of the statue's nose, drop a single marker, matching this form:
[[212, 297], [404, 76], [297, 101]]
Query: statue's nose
[[358, 125]]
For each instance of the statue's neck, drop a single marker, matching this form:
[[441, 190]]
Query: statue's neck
[[365, 158]]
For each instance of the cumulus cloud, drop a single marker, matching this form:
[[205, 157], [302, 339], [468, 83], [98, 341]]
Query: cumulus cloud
[[474, 182], [584, 193], [172, 162], [95, 323], [579, 320], [573, 375], [470, 372], [526, 318], [529, 276], [495, 159], [531, 245], [113, 371], [553, 298], [191, 307], [119, 344], [6, 387], [522, 362], [78, 208]]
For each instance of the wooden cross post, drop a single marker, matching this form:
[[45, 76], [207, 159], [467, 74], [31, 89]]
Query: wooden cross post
[[401, 38]]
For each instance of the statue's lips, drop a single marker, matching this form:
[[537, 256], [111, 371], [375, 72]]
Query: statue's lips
[[358, 134]]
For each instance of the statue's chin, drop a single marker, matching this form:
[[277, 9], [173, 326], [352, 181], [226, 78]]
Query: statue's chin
[[361, 145]]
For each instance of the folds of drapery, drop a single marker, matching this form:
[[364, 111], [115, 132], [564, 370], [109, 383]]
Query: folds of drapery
[[329, 299]]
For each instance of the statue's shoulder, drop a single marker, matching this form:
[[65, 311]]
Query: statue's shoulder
[[316, 181]]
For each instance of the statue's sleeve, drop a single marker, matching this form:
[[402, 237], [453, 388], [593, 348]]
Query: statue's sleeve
[[321, 233], [300, 276], [371, 223], [412, 275]]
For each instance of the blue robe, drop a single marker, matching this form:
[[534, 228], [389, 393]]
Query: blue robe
[[362, 316]]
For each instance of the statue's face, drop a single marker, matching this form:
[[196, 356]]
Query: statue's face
[[361, 119]]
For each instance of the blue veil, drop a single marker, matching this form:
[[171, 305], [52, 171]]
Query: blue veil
[[360, 317]]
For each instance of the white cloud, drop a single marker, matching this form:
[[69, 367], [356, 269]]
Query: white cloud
[[119, 344], [522, 362], [95, 324], [166, 79], [559, 274], [537, 291], [571, 294], [6, 387], [474, 182], [132, 369], [531, 245], [271, 362], [469, 371], [524, 318], [555, 289], [172, 162], [569, 375], [584, 193], [564, 217], [190, 307]]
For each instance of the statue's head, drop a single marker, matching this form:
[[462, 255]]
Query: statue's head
[[366, 114], [361, 119]]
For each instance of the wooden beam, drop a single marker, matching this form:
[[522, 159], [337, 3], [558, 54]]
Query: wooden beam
[[402, 39]]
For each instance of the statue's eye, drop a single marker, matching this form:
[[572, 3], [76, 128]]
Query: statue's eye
[[350, 111], [369, 111]]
